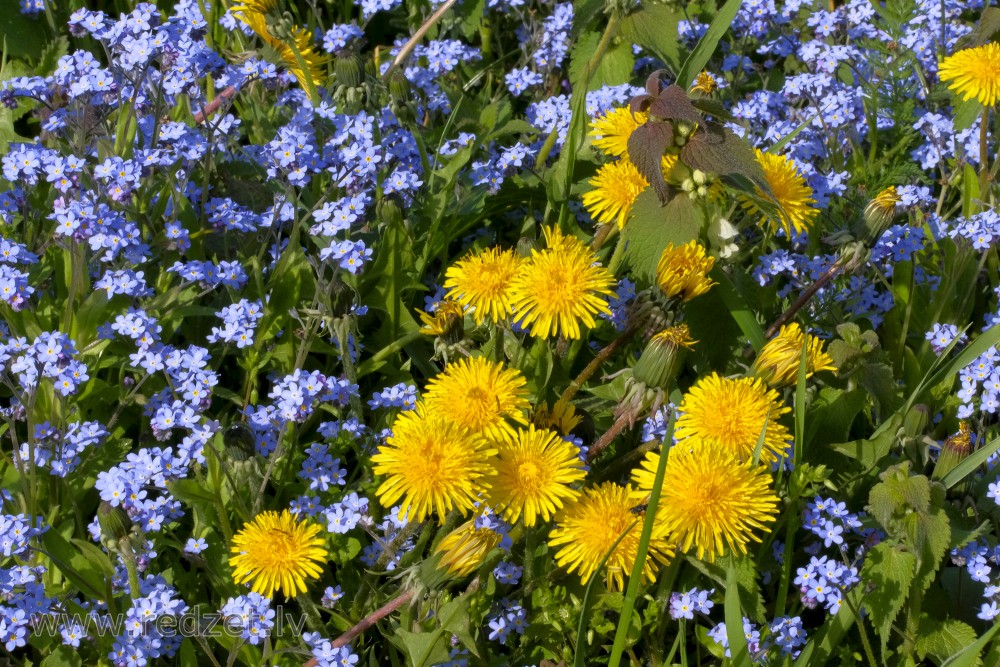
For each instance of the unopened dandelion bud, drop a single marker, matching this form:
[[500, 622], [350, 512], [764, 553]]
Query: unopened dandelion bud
[[341, 299], [114, 522], [525, 246], [350, 70], [879, 214], [464, 549], [399, 87], [239, 442], [447, 322], [954, 450], [389, 211], [663, 357]]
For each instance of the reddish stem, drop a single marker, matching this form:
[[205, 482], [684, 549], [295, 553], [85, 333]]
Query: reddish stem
[[803, 299], [367, 622], [214, 105]]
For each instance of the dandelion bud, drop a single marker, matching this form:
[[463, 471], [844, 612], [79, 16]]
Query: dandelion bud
[[388, 210], [661, 360], [525, 246], [350, 70], [879, 214], [239, 442], [399, 87], [114, 522], [954, 450], [341, 299]]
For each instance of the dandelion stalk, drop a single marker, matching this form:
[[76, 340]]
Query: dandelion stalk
[[411, 44], [370, 620]]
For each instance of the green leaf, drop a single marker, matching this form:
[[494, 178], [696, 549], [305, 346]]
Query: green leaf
[[63, 656], [734, 620], [615, 67], [828, 638], [653, 226], [429, 648], [832, 413], [868, 452], [23, 36], [943, 638], [890, 570], [738, 307], [986, 29], [75, 566], [969, 656], [696, 62], [654, 28], [49, 59]]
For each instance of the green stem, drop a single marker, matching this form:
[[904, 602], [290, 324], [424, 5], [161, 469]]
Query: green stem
[[128, 555], [635, 578], [578, 124], [311, 611], [984, 158]]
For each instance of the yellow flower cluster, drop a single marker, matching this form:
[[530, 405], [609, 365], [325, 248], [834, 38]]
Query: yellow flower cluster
[[550, 293]]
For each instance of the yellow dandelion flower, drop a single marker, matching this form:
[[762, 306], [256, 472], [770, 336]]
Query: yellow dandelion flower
[[560, 288], [704, 83], [615, 188], [433, 464], [588, 528], [446, 321], [612, 130], [562, 417], [683, 271], [464, 549], [709, 499], [732, 413], [778, 361], [291, 47], [479, 395], [483, 282], [277, 552], [535, 469], [974, 73], [791, 192]]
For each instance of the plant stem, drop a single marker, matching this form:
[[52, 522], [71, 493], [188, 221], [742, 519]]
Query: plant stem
[[984, 158], [803, 299], [128, 555], [411, 44], [371, 619], [608, 436], [313, 618], [624, 337]]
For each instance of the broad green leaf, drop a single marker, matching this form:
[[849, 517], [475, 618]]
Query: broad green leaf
[[738, 307], [614, 68], [831, 415], [654, 28], [940, 638], [74, 565], [969, 656], [23, 36], [652, 226], [868, 452], [63, 656], [888, 570]]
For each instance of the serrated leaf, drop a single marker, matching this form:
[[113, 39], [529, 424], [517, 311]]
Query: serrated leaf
[[51, 54], [646, 146], [943, 638], [898, 493], [673, 103], [652, 226], [718, 150], [654, 28], [889, 569], [62, 656]]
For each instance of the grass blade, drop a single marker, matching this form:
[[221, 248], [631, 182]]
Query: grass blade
[[696, 62], [969, 464], [734, 620], [635, 578]]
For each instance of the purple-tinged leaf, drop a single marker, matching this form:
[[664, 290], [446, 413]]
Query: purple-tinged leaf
[[646, 147]]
